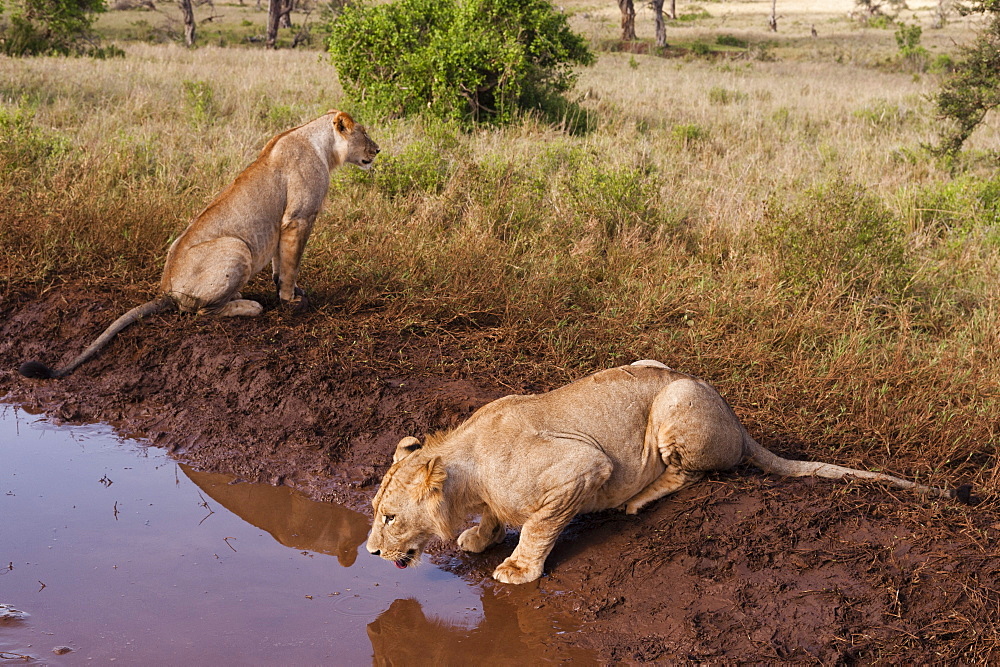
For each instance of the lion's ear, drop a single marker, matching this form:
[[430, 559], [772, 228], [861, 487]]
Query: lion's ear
[[343, 123], [406, 446], [432, 479]]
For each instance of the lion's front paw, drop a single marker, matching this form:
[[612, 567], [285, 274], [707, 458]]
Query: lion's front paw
[[632, 507], [470, 541], [510, 572], [474, 541]]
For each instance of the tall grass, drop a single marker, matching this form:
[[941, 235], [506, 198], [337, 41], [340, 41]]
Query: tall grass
[[785, 238]]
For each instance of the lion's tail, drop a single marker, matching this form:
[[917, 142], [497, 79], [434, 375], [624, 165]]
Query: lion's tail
[[772, 463], [38, 370]]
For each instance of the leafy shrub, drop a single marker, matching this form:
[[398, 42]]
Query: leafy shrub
[[616, 197], [24, 146], [419, 168], [910, 51], [731, 40], [941, 63], [973, 90], [908, 39], [62, 27], [470, 60], [201, 100], [688, 133], [719, 96], [694, 13], [700, 48], [880, 22], [962, 204], [836, 233]]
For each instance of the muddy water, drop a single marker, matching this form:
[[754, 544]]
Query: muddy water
[[119, 553]]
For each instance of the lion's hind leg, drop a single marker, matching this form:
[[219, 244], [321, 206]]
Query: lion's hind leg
[[236, 308], [207, 279], [671, 481], [694, 431]]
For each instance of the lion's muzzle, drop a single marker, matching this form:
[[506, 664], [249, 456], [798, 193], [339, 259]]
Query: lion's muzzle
[[402, 562]]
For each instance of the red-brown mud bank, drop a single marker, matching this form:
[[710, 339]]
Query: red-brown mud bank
[[739, 567]]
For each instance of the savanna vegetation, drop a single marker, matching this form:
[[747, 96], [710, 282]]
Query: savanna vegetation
[[762, 210]]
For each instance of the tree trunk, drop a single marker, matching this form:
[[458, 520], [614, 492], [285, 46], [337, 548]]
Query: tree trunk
[[285, 16], [188, 11], [772, 22], [661, 30], [628, 20], [273, 14], [673, 10], [278, 16]]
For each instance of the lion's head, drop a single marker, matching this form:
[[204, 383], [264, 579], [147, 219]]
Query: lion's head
[[411, 505], [361, 150]]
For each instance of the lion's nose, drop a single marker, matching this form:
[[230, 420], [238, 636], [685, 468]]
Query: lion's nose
[[377, 552]]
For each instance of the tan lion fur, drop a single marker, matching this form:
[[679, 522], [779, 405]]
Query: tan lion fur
[[622, 437], [265, 215]]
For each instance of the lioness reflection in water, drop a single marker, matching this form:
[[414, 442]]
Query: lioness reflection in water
[[513, 630], [290, 517]]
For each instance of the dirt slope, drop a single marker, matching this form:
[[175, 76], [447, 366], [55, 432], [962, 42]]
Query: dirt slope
[[739, 567]]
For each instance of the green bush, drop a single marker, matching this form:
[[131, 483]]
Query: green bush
[[617, 198], [719, 96], [700, 48], [470, 60], [25, 147], [694, 13], [687, 133], [62, 27], [910, 51], [880, 22], [962, 204], [731, 40], [421, 167], [973, 89], [942, 63], [201, 99], [836, 234]]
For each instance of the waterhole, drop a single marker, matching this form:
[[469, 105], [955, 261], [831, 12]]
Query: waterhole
[[111, 551]]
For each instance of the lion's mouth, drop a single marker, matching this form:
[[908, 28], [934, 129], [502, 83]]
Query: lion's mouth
[[405, 560]]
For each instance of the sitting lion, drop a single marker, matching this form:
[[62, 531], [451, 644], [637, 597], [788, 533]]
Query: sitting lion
[[265, 215], [621, 437]]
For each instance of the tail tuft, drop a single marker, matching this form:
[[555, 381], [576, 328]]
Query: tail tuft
[[36, 370], [964, 495]]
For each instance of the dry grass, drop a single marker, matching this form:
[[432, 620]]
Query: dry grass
[[772, 226]]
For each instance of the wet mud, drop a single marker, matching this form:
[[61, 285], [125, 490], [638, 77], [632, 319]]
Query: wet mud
[[739, 567]]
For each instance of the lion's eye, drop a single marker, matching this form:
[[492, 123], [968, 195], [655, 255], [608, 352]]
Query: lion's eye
[[388, 518]]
